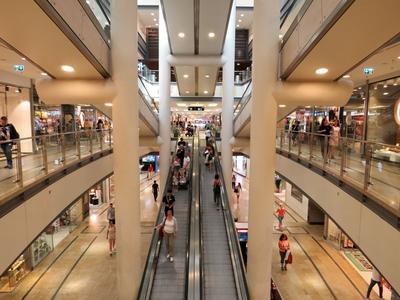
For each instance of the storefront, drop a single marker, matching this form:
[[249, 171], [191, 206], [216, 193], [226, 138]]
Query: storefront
[[241, 165]]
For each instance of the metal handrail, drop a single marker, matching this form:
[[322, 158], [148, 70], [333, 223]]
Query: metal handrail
[[145, 93], [368, 159], [233, 240], [150, 268], [244, 100]]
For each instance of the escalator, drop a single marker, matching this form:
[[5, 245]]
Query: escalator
[[208, 262]]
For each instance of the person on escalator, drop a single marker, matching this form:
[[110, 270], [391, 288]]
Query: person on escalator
[[217, 190], [180, 153], [169, 200], [169, 226]]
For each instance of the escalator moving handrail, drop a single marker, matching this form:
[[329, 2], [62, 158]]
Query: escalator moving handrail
[[236, 254], [150, 268]]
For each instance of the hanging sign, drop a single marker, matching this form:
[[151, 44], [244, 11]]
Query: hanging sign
[[19, 68], [368, 71]]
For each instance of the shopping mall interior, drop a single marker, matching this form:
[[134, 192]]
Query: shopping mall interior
[[198, 149]]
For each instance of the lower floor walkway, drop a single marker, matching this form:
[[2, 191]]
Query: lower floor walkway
[[80, 266], [319, 269]]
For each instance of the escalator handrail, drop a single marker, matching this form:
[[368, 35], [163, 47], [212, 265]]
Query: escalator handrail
[[150, 268], [233, 240]]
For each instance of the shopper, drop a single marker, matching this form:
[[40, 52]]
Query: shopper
[[155, 189], [280, 213], [233, 181], [208, 135], [182, 143], [111, 213], [111, 233], [169, 200], [376, 278], [334, 139], [7, 132], [169, 226], [150, 170], [237, 190], [295, 131], [217, 190], [180, 153], [324, 130], [284, 247]]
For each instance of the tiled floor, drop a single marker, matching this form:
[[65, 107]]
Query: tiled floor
[[319, 271], [80, 266]]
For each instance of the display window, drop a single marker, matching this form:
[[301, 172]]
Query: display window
[[14, 274], [240, 164]]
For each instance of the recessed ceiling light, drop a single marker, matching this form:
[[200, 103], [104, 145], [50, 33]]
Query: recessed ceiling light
[[363, 98], [398, 57], [205, 92], [307, 106], [108, 104], [385, 86], [395, 84], [242, 15], [211, 34], [18, 90], [156, 24], [212, 104], [321, 71], [155, 20], [23, 58], [185, 75], [280, 36], [187, 92], [240, 21], [346, 76], [207, 76], [181, 35], [43, 74], [385, 93], [181, 104], [376, 87], [67, 68], [152, 14], [359, 87], [237, 25], [282, 105]]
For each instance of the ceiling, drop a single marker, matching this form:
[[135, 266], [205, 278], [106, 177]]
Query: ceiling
[[196, 28], [41, 41], [360, 31], [9, 58]]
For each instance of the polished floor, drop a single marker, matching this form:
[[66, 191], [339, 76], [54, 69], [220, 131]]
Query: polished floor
[[319, 270], [80, 267]]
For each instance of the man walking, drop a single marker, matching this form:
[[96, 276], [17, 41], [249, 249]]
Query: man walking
[[155, 190], [7, 133], [111, 214]]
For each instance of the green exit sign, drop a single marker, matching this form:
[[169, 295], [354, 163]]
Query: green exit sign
[[19, 68]]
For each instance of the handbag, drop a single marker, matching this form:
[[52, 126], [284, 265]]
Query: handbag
[[289, 259], [161, 229]]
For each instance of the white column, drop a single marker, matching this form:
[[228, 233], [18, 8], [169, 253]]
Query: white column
[[126, 147], [262, 146], [164, 94], [228, 86]]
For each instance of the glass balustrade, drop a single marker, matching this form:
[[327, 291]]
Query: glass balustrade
[[53, 152], [373, 168]]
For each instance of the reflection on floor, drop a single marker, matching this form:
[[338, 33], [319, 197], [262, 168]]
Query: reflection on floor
[[80, 266], [319, 270]]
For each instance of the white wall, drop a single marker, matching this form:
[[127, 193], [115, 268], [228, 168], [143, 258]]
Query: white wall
[[19, 227], [379, 241], [19, 114], [301, 208]]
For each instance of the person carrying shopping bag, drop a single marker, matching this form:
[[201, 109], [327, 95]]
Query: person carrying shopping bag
[[167, 229]]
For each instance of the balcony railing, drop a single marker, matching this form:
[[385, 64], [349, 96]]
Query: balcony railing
[[372, 168], [54, 152]]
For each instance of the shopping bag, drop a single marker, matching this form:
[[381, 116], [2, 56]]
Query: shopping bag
[[289, 257]]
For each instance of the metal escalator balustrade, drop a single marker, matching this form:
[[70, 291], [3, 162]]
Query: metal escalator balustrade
[[162, 278], [223, 271]]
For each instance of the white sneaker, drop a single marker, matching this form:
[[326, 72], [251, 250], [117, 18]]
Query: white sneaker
[[171, 259], [168, 256]]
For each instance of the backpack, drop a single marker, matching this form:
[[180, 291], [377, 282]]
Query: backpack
[[13, 132]]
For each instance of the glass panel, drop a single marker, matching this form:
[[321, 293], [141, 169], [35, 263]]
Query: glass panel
[[100, 15]]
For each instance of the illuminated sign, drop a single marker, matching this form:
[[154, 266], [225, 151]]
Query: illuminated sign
[[196, 108], [368, 71], [19, 68]]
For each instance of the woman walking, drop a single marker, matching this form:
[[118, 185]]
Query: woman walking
[[111, 233], [283, 245], [169, 227], [237, 190], [217, 190]]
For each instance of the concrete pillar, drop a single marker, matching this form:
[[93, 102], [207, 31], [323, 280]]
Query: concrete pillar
[[228, 86], [262, 146], [126, 147], [164, 95]]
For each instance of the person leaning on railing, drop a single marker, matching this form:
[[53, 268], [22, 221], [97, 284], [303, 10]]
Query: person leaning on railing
[[7, 132]]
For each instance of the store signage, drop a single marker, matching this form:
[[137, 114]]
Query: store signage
[[368, 71], [19, 68], [196, 108]]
